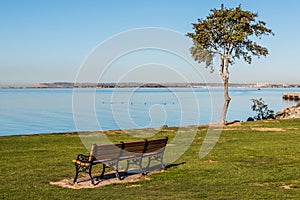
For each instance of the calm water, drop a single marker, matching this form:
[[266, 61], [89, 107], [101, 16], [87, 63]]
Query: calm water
[[29, 111]]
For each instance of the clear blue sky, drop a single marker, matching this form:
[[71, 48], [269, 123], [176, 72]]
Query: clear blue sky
[[47, 41]]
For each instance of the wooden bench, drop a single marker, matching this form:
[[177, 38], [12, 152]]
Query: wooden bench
[[109, 155]]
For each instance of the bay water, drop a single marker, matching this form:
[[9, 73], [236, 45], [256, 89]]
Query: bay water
[[32, 111]]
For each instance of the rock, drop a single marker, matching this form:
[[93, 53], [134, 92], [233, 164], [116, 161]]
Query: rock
[[297, 112], [288, 113], [271, 117], [164, 126], [250, 119]]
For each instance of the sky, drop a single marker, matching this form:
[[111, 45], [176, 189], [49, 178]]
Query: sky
[[52, 40]]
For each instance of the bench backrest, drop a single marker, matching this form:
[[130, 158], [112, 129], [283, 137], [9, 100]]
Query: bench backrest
[[133, 148], [156, 145], [127, 149], [107, 151]]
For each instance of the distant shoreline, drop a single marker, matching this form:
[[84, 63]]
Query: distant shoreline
[[150, 85]]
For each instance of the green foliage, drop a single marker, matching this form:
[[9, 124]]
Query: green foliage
[[261, 109], [228, 32]]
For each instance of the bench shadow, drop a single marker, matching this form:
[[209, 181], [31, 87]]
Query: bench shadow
[[132, 172]]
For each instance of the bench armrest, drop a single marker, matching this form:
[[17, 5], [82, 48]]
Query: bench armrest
[[83, 158]]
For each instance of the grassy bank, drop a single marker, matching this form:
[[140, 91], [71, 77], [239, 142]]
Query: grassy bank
[[257, 160]]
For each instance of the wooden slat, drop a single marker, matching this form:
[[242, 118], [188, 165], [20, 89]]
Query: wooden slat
[[135, 147], [156, 145], [154, 149], [157, 141], [111, 151]]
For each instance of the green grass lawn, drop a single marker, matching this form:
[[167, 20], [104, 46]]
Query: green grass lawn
[[248, 162]]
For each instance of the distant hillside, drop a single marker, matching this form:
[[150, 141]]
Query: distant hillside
[[55, 85], [154, 85]]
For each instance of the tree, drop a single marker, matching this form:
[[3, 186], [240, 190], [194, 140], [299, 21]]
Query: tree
[[261, 109], [227, 33]]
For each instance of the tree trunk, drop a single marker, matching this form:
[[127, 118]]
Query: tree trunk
[[225, 78], [226, 103]]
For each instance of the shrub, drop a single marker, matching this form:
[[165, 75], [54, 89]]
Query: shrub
[[261, 109]]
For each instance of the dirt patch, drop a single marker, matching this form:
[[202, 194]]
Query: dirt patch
[[286, 187], [108, 179], [268, 129], [235, 123], [209, 161]]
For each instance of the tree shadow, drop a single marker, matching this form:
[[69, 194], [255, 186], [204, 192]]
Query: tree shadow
[[174, 165]]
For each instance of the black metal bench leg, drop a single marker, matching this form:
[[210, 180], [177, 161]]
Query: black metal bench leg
[[140, 166], [127, 166], [118, 175], [147, 166], [103, 171], [149, 160], [117, 172], [76, 175], [161, 162], [90, 174]]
